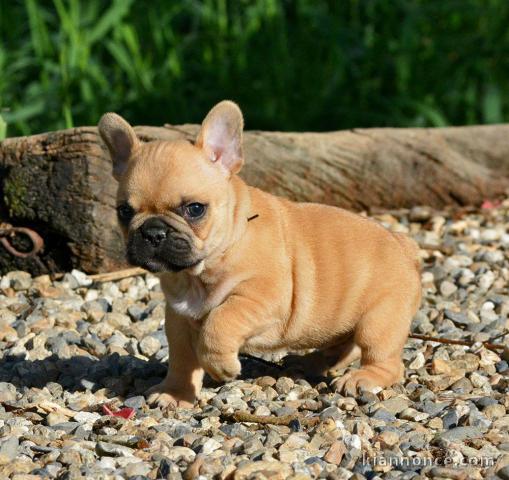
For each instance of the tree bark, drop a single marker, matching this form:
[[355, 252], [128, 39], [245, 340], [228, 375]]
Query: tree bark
[[60, 183]]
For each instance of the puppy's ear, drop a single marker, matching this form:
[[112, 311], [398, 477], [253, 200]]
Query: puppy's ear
[[120, 139], [220, 136]]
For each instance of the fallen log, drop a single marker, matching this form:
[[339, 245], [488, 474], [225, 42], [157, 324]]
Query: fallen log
[[59, 184]]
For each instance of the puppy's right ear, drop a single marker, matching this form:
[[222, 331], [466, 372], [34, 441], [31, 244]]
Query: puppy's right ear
[[120, 139]]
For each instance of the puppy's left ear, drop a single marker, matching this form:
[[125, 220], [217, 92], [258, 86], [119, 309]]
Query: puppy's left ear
[[120, 139], [220, 136]]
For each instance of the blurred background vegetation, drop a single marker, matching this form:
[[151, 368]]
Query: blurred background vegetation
[[292, 65]]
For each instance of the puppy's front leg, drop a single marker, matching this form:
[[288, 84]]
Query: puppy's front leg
[[184, 378], [224, 332]]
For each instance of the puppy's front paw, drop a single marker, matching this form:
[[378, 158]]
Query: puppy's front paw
[[356, 382], [221, 367], [161, 396]]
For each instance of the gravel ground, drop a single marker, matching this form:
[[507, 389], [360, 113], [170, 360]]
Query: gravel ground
[[72, 351]]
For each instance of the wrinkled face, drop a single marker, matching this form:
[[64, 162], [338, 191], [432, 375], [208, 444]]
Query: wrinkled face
[[175, 199], [171, 202]]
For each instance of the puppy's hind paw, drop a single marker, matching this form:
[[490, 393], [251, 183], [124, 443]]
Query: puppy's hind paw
[[160, 396], [354, 383]]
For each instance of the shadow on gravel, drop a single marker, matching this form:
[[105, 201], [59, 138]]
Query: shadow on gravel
[[123, 375]]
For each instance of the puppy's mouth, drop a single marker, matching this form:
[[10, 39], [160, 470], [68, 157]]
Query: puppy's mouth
[[158, 247], [155, 265]]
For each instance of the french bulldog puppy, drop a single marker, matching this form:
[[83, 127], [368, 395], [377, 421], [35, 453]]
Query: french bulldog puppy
[[245, 271]]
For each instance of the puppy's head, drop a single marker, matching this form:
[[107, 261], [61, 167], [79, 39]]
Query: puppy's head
[[175, 199]]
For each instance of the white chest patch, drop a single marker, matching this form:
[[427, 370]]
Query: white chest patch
[[190, 301], [188, 296]]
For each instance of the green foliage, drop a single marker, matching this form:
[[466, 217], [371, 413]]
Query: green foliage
[[291, 64], [3, 128]]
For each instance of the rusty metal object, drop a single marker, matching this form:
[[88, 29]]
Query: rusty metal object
[[7, 231]]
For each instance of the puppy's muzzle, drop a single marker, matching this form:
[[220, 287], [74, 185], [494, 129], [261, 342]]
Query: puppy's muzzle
[[154, 231], [158, 246]]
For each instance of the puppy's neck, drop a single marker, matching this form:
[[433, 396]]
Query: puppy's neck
[[242, 211], [240, 200]]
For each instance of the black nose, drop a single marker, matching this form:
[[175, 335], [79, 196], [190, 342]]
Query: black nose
[[154, 230]]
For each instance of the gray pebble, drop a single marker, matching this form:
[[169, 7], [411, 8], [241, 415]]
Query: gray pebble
[[9, 448], [460, 434], [135, 402]]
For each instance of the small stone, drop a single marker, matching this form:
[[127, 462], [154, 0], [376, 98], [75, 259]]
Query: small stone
[[252, 445], [86, 417], [206, 446], [178, 454], [292, 456], [82, 279], [388, 438], [335, 453], [485, 402], [267, 470], [117, 320], [384, 415], [457, 317], [94, 345], [136, 313], [9, 449], [262, 410], [7, 392], [450, 419], [447, 288], [20, 280], [494, 411], [149, 346], [449, 473], [462, 386], [486, 280], [353, 442], [67, 427], [266, 381], [367, 398], [439, 366], [413, 415], [235, 430], [436, 424], [418, 362], [459, 434], [135, 402], [284, 385], [135, 469], [395, 405], [478, 381], [55, 418], [420, 214], [113, 450], [70, 457], [331, 412]]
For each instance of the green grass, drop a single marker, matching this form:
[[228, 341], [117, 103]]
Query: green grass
[[3, 128], [291, 64]]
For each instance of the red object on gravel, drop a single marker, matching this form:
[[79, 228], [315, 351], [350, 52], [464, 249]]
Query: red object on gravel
[[126, 412], [488, 204]]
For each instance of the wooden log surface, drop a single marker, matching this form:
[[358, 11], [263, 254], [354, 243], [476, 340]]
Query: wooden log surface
[[60, 183]]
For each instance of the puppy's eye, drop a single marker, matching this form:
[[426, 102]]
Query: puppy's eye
[[125, 213], [194, 210]]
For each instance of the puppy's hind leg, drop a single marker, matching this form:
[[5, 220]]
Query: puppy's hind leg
[[380, 335], [342, 355]]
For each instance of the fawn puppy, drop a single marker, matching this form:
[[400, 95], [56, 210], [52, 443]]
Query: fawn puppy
[[297, 276]]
